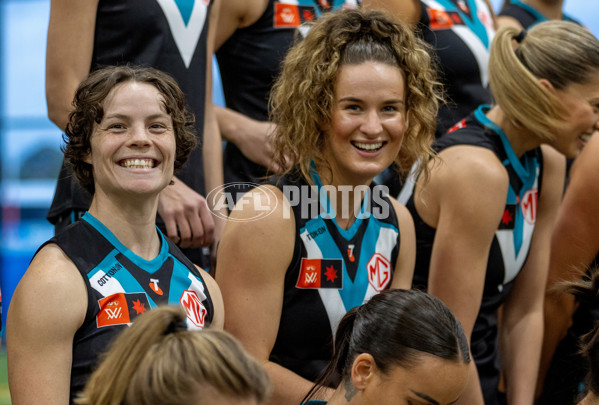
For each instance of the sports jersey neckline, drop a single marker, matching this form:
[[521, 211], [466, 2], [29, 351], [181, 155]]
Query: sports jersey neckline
[[149, 265], [524, 171]]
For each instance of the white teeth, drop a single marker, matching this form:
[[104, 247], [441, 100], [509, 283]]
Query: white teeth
[[368, 146], [585, 137], [138, 163]]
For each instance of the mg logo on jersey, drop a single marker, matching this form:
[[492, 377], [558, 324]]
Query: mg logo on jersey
[[528, 205], [379, 272], [196, 312]]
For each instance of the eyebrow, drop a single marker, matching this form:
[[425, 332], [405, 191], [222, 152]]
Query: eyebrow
[[355, 99], [125, 116]]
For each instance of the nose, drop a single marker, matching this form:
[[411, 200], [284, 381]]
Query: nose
[[372, 123], [139, 136]]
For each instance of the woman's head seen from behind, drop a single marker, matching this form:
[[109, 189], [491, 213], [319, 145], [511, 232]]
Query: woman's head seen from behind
[[88, 112], [157, 361], [401, 345], [303, 97], [546, 80]]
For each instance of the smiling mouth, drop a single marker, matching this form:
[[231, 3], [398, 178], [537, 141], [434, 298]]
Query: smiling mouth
[[368, 147], [138, 163]]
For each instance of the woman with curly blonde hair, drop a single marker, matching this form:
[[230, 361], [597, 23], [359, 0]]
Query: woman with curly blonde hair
[[355, 95]]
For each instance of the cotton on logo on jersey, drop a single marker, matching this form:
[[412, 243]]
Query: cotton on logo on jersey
[[379, 272], [121, 308], [320, 273], [528, 205], [196, 312]]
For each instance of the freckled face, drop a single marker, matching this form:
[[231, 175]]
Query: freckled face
[[368, 121], [432, 381], [133, 147], [582, 104]]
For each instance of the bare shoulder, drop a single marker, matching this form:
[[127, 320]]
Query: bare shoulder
[[468, 166], [51, 293]]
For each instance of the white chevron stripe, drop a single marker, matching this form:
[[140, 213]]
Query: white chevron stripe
[[186, 37]]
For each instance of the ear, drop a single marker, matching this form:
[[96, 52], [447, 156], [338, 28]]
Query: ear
[[362, 371], [547, 84]]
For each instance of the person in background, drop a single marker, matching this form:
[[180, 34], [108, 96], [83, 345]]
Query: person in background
[[484, 218], [159, 361], [402, 346], [129, 131], [574, 248], [252, 39], [354, 95], [175, 37], [460, 34], [525, 13]]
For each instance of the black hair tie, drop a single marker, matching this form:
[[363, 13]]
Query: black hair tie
[[520, 37], [175, 327]]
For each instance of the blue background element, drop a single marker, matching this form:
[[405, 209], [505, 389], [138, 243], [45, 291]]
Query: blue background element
[[30, 144]]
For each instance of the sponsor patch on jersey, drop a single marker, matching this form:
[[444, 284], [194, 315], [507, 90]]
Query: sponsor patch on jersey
[[461, 124], [121, 308], [443, 20], [528, 205], [321, 273], [292, 15], [379, 272], [508, 219], [195, 310]]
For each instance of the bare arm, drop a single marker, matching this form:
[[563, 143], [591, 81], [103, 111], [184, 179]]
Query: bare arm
[[407, 11], [521, 331], [252, 261], [463, 200], [574, 245], [68, 54], [47, 308], [404, 267], [252, 137]]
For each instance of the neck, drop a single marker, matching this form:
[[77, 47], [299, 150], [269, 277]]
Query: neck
[[133, 222], [346, 197], [521, 139], [552, 9]]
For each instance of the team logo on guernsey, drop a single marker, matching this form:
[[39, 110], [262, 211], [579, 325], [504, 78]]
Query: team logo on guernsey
[[443, 20], [321, 273], [121, 308], [379, 272], [292, 15], [508, 219], [528, 205], [196, 311]]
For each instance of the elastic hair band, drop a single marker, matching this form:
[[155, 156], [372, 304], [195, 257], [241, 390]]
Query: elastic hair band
[[175, 327], [520, 37]]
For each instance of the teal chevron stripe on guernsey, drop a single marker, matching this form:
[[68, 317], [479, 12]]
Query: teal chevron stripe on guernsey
[[186, 25], [185, 7]]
